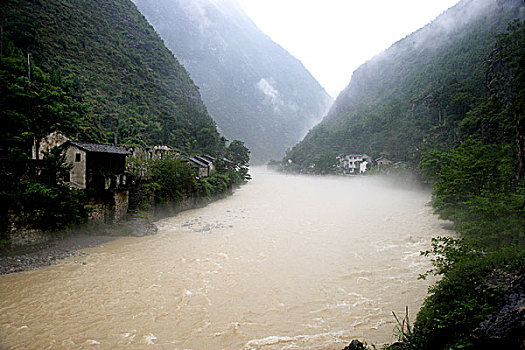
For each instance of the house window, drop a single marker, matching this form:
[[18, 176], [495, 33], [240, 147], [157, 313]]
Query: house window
[[77, 157]]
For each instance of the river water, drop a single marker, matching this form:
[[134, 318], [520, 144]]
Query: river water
[[285, 263]]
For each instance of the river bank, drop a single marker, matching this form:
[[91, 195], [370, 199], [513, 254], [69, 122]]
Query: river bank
[[68, 244], [50, 253]]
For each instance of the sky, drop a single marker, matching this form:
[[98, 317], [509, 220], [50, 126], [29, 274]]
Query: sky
[[332, 38]]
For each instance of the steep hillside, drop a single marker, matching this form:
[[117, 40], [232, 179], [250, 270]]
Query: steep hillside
[[116, 67], [415, 93], [253, 88]]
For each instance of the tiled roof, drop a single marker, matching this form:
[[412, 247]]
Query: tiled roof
[[100, 148], [208, 157], [203, 160], [198, 162]]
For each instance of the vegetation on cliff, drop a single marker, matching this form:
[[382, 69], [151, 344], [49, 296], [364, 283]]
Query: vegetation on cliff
[[118, 69]]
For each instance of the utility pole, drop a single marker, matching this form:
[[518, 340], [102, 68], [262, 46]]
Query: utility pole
[[1, 39], [28, 67]]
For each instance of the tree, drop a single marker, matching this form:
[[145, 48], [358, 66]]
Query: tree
[[325, 164], [238, 153]]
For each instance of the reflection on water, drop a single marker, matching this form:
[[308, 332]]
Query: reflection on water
[[287, 262]]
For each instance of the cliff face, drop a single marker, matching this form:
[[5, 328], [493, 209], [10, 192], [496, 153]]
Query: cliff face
[[255, 90]]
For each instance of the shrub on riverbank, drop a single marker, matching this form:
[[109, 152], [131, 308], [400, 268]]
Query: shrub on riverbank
[[171, 180]]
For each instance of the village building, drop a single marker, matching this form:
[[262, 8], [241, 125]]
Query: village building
[[202, 168], [96, 166], [383, 161], [98, 169], [354, 163], [209, 161]]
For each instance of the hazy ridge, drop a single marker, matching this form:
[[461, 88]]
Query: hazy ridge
[[412, 91], [255, 90]]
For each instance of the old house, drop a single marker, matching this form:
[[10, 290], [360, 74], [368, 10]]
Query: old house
[[209, 161], [199, 166], [98, 169], [96, 166], [383, 161]]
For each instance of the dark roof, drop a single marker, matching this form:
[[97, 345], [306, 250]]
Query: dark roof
[[100, 148], [198, 162], [208, 157], [204, 160]]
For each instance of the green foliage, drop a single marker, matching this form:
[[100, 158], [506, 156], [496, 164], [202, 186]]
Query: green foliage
[[464, 296], [217, 185], [173, 179], [325, 164], [403, 329], [468, 170], [116, 69], [49, 208], [239, 154], [32, 108], [43, 201], [478, 185]]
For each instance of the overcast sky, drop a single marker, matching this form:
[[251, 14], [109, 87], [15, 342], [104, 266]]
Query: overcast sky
[[334, 37]]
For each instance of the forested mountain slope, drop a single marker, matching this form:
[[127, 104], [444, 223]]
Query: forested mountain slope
[[114, 69], [253, 88], [415, 93]]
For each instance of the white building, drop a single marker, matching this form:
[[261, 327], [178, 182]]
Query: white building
[[354, 163]]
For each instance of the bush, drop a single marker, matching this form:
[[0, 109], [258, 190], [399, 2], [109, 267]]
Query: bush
[[463, 298]]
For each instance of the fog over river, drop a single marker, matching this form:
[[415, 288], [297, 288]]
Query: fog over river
[[287, 262]]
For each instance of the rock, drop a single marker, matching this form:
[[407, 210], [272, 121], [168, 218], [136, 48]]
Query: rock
[[355, 345], [505, 327]]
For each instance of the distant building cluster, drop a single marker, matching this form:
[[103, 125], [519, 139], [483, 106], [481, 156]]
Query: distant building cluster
[[354, 163]]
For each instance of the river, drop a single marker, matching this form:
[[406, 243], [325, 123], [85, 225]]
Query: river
[[287, 262]]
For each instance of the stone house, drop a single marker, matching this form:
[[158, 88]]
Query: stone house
[[98, 169], [96, 166]]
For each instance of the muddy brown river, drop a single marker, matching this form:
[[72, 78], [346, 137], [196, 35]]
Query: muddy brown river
[[285, 263]]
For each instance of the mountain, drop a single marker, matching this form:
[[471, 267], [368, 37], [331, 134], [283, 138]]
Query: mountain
[[415, 94], [255, 90], [117, 69]]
